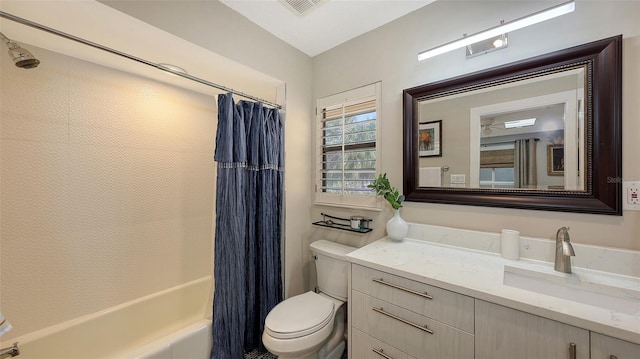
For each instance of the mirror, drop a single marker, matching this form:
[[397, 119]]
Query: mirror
[[514, 130], [542, 133]]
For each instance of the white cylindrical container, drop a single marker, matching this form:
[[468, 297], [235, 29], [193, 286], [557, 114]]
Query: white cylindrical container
[[356, 221], [510, 244]]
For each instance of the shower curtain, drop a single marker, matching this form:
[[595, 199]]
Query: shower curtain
[[526, 174], [249, 211]]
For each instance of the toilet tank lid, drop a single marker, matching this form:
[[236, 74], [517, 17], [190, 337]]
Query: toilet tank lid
[[331, 249]]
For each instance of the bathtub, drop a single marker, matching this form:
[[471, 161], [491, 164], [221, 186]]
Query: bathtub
[[192, 342], [172, 324]]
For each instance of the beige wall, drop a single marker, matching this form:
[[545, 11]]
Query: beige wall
[[216, 27], [120, 201], [107, 189], [389, 54], [108, 137]]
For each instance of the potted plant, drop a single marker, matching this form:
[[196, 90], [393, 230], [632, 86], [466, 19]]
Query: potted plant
[[397, 228]]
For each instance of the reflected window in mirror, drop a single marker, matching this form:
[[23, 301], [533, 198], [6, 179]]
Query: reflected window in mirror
[[497, 165]]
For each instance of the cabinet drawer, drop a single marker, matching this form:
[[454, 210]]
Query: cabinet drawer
[[605, 347], [443, 305], [406, 330], [364, 346], [505, 333]]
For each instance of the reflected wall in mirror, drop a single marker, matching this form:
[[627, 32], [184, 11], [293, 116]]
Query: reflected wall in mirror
[[542, 133], [509, 127]]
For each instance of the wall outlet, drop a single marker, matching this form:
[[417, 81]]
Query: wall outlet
[[631, 195], [457, 179]]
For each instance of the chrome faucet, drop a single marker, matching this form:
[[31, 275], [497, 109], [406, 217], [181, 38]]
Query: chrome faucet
[[564, 251], [10, 352]]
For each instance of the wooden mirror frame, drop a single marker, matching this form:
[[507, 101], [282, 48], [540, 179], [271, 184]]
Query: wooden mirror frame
[[603, 104]]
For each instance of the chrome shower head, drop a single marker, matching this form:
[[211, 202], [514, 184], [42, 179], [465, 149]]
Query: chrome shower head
[[21, 57]]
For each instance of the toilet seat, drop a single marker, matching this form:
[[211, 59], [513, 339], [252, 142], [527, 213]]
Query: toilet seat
[[300, 316]]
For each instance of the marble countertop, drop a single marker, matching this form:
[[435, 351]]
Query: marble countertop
[[480, 274]]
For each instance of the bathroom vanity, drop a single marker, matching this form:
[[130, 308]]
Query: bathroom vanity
[[449, 294]]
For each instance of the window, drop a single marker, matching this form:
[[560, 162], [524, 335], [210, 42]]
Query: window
[[496, 165], [347, 148], [496, 177]]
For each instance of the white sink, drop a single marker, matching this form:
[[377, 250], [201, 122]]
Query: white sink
[[605, 290]]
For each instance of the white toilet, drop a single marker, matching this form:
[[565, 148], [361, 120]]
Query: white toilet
[[312, 325]]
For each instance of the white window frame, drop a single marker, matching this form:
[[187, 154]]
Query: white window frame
[[370, 202], [493, 183]]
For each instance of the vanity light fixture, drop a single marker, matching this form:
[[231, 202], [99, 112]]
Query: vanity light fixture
[[520, 123], [503, 28], [500, 41], [489, 45]]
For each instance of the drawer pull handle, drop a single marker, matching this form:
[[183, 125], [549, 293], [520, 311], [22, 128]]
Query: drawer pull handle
[[381, 281], [421, 327], [572, 351], [613, 356], [381, 353]]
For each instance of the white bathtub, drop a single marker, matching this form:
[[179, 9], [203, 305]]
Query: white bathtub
[[192, 342], [171, 324]]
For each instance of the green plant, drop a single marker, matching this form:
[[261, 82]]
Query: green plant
[[383, 188]]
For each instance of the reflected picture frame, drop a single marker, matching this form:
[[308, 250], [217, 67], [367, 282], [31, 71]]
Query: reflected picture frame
[[555, 160], [430, 139]]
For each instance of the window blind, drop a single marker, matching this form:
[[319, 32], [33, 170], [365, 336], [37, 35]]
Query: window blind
[[348, 133], [496, 158]]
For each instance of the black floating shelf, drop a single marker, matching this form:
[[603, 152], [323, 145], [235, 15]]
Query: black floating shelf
[[343, 227], [332, 223]]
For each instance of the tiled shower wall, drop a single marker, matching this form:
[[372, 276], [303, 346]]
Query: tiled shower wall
[[107, 189]]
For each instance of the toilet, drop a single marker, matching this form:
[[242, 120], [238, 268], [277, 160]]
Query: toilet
[[312, 325]]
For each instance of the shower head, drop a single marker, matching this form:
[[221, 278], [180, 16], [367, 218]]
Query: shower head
[[21, 57]]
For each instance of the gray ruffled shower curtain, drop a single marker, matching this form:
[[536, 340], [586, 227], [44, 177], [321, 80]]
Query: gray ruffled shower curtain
[[525, 163], [249, 211]]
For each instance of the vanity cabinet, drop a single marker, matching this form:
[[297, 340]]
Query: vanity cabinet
[[393, 317], [412, 318], [368, 347], [507, 333], [605, 347]]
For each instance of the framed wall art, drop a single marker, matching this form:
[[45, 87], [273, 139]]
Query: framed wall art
[[555, 160], [430, 139]]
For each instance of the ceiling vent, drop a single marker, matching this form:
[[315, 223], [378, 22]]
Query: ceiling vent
[[301, 7]]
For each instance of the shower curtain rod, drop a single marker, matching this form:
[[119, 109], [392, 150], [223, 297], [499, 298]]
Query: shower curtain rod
[[131, 57]]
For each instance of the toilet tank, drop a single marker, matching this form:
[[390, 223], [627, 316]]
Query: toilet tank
[[332, 267]]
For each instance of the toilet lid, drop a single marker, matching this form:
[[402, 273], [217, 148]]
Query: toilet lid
[[299, 316]]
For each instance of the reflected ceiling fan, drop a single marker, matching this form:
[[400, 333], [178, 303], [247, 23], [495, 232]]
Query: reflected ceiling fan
[[485, 126]]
